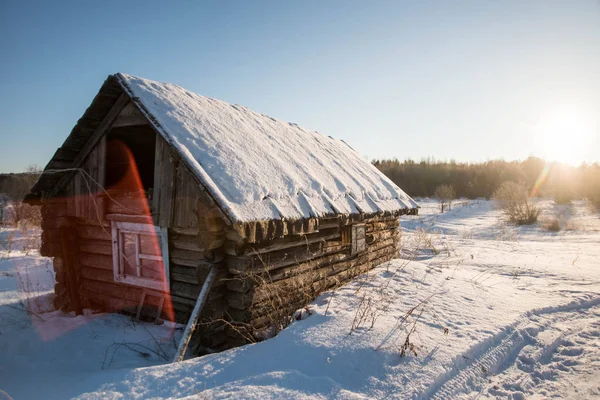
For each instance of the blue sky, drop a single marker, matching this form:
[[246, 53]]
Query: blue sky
[[463, 80]]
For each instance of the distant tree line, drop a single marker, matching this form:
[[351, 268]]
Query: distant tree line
[[476, 180]]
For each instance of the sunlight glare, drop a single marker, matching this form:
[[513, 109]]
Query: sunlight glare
[[564, 136]]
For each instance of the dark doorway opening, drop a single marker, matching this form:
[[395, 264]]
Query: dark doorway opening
[[130, 153]]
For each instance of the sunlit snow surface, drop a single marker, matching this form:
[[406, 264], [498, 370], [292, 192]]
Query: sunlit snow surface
[[498, 312]]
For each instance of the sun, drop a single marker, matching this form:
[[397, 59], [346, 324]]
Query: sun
[[564, 135]]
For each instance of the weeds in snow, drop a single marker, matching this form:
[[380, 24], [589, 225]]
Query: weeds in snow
[[31, 292], [408, 323], [376, 301], [551, 225], [142, 350]]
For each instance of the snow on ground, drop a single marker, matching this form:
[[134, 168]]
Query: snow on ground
[[475, 308], [42, 351]]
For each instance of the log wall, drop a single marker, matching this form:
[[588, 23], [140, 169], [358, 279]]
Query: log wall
[[272, 279], [195, 230], [266, 269]]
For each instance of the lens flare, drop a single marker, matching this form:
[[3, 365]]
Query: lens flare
[[540, 180], [127, 180]]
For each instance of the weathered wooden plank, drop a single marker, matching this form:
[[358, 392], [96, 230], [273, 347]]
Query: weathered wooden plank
[[191, 255], [312, 281], [93, 140], [190, 233], [96, 260], [187, 193], [185, 262], [97, 274], [127, 205], [137, 219], [210, 241], [377, 226], [97, 247], [164, 183], [94, 232], [280, 259], [55, 210], [53, 223], [129, 116], [290, 243]]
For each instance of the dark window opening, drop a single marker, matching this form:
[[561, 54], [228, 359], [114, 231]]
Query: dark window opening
[[130, 155]]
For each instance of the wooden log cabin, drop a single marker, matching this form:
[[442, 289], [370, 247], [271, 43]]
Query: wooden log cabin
[[156, 185]]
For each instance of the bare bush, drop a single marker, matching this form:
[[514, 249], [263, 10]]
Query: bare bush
[[277, 300], [551, 225], [15, 187], [19, 213], [3, 209], [513, 199], [445, 194]]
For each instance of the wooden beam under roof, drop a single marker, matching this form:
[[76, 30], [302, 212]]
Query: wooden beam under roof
[[94, 139]]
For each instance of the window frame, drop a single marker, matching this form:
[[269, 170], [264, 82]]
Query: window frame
[[135, 228], [354, 236], [359, 238]]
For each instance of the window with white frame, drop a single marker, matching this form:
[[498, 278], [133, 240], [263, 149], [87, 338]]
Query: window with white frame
[[138, 251]]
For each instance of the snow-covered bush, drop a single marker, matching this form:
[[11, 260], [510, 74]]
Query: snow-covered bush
[[513, 199]]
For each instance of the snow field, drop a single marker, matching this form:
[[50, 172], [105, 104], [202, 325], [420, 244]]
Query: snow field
[[489, 310]]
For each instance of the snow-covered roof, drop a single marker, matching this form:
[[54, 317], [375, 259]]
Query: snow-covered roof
[[260, 168]]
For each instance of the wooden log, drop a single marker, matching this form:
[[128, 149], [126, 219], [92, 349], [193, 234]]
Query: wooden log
[[185, 278], [51, 243], [378, 226], [53, 210], [210, 241], [187, 245], [240, 284], [289, 243], [381, 235], [234, 236], [96, 261], [272, 262], [177, 230], [319, 279], [53, 223], [188, 290], [191, 326], [112, 290], [192, 255], [185, 262], [329, 223], [94, 232], [233, 248], [97, 274], [96, 247], [70, 254]]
